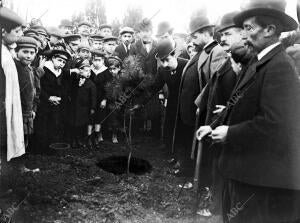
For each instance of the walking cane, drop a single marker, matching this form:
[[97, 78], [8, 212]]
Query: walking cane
[[194, 138]]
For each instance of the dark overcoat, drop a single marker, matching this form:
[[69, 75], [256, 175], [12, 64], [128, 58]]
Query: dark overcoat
[[262, 144], [121, 52]]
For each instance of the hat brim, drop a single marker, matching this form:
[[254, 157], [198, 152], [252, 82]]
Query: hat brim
[[121, 33], [165, 55], [288, 23], [60, 52], [224, 27], [200, 28], [159, 34]]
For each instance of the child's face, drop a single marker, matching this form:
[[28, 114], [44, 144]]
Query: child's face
[[97, 44], [58, 62], [85, 72], [98, 62], [114, 70], [83, 53], [26, 55]]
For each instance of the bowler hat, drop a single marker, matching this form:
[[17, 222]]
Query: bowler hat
[[272, 8], [102, 26], [9, 19], [199, 23], [163, 27], [60, 53], [227, 21], [27, 42], [126, 30], [84, 23], [164, 48]]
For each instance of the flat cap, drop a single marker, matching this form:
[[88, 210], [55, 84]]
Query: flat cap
[[41, 30], [110, 38], [84, 23], [99, 53], [126, 29], [84, 47], [27, 42], [71, 37], [53, 31], [97, 37], [102, 26]]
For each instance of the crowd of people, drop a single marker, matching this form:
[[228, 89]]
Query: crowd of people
[[230, 91]]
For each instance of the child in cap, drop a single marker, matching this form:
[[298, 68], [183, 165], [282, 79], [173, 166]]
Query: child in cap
[[26, 51], [84, 52], [100, 75], [113, 93], [51, 114], [83, 103]]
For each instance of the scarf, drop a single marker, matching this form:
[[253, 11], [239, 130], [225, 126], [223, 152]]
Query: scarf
[[14, 119]]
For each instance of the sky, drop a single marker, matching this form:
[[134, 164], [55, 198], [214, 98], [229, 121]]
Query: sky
[[177, 12]]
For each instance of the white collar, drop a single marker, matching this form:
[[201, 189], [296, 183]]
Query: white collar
[[210, 42], [50, 66], [265, 51], [103, 68]]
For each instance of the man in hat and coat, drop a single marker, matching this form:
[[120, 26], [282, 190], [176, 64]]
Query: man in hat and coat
[[126, 36], [168, 73], [217, 92], [260, 156]]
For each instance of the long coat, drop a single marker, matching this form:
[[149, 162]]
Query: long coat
[[121, 52], [262, 144], [100, 81], [172, 81]]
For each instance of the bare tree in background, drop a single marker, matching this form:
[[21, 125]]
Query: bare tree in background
[[132, 17], [116, 25]]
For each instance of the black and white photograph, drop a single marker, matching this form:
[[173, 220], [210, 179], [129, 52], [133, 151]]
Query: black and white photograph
[[150, 111]]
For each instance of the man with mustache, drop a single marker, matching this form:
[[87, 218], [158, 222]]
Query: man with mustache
[[259, 136], [126, 36], [217, 92], [168, 73]]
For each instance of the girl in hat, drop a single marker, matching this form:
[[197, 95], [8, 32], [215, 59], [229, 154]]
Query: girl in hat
[[113, 93], [83, 102], [99, 75], [53, 97]]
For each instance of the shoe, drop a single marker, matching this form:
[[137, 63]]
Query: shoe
[[114, 139], [89, 142], [187, 185], [205, 212]]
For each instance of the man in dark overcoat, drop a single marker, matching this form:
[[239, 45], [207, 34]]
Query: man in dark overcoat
[[260, 158], [126, 37]]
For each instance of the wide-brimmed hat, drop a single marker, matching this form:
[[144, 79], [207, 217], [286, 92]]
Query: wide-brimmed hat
[[126, 30], [272, 8], [9, 19], [61, 53], [164, 48], [199, 23], [164, 27], [227, 21]]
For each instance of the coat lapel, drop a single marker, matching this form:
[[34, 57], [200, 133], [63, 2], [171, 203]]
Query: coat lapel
[[193, 60], [252, 70]]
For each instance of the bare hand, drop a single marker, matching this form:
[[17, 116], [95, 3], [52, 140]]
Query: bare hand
[[103, 104], [220, 133], [219, 109], [54, 100], [134, 108], [203, 131]]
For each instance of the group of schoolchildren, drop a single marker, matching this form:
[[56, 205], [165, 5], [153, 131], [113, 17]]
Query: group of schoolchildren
[[66, 97]]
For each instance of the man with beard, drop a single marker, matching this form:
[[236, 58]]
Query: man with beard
[[190, 88], [260, 132], [215, 95], [11, 122], [168, 73], [122, 50]]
